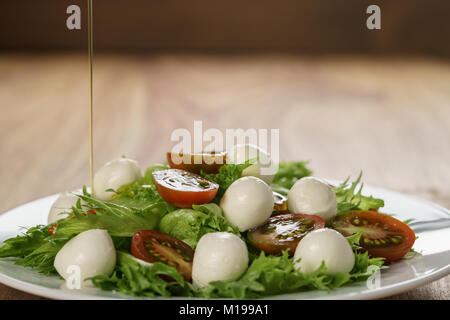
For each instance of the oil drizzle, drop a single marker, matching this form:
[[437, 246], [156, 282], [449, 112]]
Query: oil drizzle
[[91, 96]]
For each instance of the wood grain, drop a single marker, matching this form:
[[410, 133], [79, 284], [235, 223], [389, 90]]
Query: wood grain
[[390, 117]]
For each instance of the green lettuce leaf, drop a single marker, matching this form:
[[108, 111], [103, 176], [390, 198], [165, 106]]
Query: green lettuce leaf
[[189, 225], [184, 224], [43, 257], [141, 193], [228, 173], [270, 275], [26, 243], [350, 198], [288, 173], [35, 248], [139, 278], [119, 220], [216, 220]]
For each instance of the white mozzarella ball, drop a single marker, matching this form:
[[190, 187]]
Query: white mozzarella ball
[[64, 203], [91, 251], [219, 256], [325, 245], [247, 203], [244, 152], [312, 196], [113, 175]]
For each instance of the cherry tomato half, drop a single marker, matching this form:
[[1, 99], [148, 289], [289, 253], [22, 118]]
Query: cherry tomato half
[[197, 162], [283, 232], [383, 235], [183, 189], [154, 246]]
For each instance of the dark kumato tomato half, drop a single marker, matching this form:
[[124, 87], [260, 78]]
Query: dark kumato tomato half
[[382, 235], [183, 189], [283, 232], [154, 246]]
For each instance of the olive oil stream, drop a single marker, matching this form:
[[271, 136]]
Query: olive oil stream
[[91, 96]]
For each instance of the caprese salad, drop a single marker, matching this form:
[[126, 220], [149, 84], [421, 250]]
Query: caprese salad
[[209, 228]]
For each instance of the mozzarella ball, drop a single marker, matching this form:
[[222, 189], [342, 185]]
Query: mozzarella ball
[[312, 196], [247, 203], [325, 245], [63, 203], [113, 175], [244, 152], [91, 251], [219, 256]]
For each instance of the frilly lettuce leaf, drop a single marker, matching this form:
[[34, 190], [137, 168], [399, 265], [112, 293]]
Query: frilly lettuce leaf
[[35, 248], [350, 198], [228, 173], [139, 278], [267, 275]]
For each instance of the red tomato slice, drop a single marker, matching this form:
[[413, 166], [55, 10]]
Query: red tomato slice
[[154, 246], [183, 189], [283, 232], [197, 162], [383, 235]]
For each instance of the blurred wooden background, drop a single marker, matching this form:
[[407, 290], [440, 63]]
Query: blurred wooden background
[[313, 27], [387, 116]]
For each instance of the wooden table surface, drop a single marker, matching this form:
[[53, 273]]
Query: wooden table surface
[[387, 116]]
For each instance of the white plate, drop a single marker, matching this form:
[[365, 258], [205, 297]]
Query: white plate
[[432, 225]]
